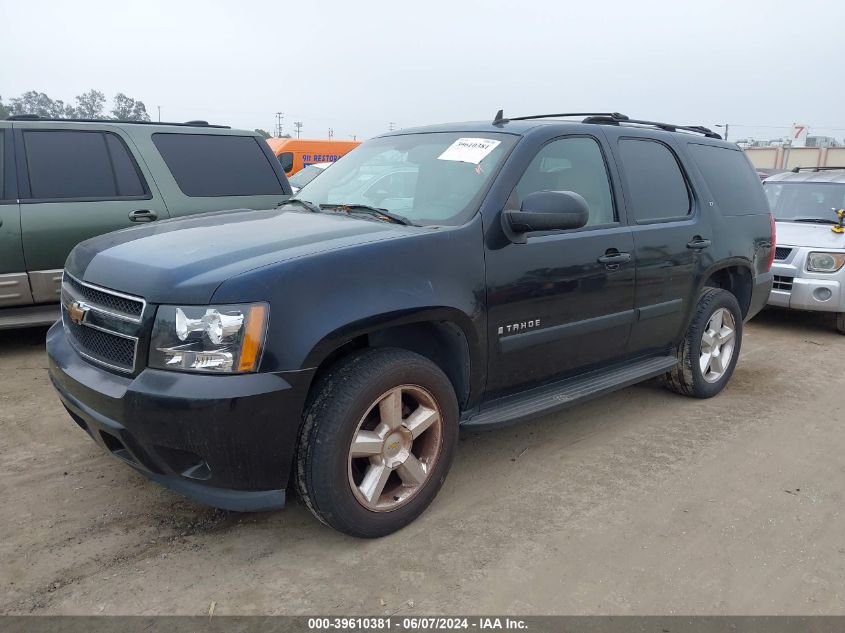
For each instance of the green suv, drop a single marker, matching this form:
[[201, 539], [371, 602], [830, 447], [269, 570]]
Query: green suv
[[63, 181]]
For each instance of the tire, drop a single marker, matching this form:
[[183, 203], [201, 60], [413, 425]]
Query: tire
[[840, 322], [402, 451], [689, 378]]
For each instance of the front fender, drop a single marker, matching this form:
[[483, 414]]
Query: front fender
[[319, 302]]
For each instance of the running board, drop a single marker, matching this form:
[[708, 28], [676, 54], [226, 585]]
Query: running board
[[29, 316], [566, 393]]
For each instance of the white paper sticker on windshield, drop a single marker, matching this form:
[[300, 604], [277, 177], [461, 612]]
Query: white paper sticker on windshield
[[469, 150]]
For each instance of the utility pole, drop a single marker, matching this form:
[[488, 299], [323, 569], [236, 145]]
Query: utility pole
[[159, 113], [298, 126], [727, 127], [331, 133], [391, 126], [354, 137], [279, 117]]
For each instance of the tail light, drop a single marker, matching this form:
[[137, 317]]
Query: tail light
[[774, 242]]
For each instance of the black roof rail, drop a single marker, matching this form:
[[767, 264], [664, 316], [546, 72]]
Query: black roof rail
[[669, 127], [610, 118], [795, 170], [500, 117], [35, 117]]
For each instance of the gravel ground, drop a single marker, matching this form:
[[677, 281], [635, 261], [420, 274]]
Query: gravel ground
[[642, 502]]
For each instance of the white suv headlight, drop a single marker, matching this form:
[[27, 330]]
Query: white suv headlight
[[220, 339], [820, 262]]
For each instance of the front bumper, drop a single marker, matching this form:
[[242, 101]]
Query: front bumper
[[797, 289], [227, 441]]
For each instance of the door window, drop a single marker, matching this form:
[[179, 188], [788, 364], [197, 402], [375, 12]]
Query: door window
[[570, 164], [80, 165], [656, 185]]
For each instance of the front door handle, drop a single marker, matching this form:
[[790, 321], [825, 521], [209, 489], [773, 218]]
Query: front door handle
[[614, 258], [698, 243], [143, 215]]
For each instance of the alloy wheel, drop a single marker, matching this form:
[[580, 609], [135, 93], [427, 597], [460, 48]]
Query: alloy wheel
[[717, 345], [395, 447]]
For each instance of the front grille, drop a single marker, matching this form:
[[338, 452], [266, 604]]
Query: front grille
[[111, 302], [782, 283], [782, 252], [107, 326], [105, 347]]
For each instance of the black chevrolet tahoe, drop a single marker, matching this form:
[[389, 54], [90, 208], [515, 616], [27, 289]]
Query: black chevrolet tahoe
[[463, 275]]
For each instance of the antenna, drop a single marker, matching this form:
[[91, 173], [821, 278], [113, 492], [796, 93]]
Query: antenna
[[500, 117]]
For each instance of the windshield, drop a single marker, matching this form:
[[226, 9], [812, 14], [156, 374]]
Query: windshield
[[305, 175], [435, 178], [805, 200]]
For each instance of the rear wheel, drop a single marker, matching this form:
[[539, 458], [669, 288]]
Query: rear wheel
[[710, 350], [377, 443]]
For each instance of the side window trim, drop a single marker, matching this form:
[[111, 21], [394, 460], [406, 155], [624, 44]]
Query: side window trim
[[692, 201], [610, 186], [25, 188]]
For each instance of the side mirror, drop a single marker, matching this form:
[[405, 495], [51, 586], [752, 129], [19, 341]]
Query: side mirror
[[546, 211]]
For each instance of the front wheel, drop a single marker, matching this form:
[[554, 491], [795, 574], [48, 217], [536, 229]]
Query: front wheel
[[710, 350], [377, 442]]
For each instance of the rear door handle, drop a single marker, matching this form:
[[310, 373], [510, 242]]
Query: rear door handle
[[614, 258], [143, 215], [698, 243]]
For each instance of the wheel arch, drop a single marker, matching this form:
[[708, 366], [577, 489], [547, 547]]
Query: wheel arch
[[736, 277], [443, 335]]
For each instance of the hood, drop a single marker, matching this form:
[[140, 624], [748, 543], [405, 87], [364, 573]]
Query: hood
[[810, 235], [186, 259]]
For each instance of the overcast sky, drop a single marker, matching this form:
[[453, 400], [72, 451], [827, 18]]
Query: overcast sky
[[357, 66]]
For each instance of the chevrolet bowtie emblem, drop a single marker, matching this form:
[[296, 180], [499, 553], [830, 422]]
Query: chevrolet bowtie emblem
[[76, 312]]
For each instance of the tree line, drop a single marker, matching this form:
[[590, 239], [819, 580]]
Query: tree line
[[89, 105]]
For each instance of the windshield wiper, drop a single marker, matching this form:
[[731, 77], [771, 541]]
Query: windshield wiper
[[311, 206], [814, 220], [375, 212]]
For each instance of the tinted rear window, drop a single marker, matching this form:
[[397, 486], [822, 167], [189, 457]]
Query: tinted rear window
[[217, 165], [730, 177], [656, 185]]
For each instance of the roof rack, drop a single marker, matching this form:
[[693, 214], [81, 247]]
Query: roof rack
[[35, 117], [500, 117], [612, 118], [669, 127], [795, 170]]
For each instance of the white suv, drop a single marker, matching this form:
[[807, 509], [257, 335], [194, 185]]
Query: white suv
[[810, 254]]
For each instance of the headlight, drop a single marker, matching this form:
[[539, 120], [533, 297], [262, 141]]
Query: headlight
[[221, 339], [825, 262]]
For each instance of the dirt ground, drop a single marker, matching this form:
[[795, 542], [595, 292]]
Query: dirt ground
[[642, 502]]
